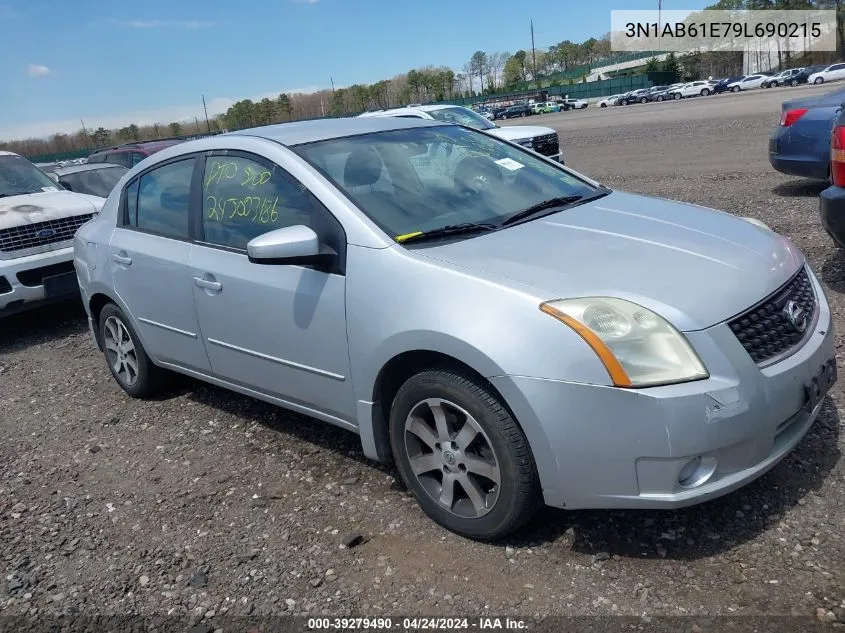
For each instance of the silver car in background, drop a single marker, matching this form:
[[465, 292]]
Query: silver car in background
[[509, 331]]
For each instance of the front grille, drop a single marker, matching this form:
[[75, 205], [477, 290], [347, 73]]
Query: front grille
[[19, 238], [34, 277], [546, 145], [765, 331]]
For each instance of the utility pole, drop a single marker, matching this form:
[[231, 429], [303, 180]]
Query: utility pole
[[155, 126], [533, 52], [659, 20], [332, 80], [207, 124], [87, 138]]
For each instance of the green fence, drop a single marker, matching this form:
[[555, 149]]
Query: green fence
[[594, 89], [53, 158]]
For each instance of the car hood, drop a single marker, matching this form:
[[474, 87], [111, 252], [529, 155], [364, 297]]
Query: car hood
[[516, 132], [47, 205], [694, 266]]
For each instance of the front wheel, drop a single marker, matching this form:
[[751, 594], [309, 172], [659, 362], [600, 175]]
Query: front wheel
[[522, 114], [773, 84], [676, 96], [462, 455], [793, 83], [819, 80], [705, 92], [127, 360], [659, 98], [735, 89], [643, 100]]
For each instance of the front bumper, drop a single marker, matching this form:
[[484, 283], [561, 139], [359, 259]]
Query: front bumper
[[832, 212], [23, 279], [603, 447]]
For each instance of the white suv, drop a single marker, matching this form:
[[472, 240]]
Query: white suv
[[543, 140], [38, 219]]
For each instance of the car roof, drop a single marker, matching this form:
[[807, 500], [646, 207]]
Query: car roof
[[73, 169], [300, 132]]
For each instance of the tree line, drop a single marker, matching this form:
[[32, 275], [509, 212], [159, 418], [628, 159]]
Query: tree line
[[484, 73]]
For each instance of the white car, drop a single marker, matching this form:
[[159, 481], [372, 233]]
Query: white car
[[692, 89], [608, 101], [833, 72], [749, 83], [38, 219], [781, 79], [543, 140], [575, 104]]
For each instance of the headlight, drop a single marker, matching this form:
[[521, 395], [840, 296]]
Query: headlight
[[526, 142], [759, 223], [637, 347]]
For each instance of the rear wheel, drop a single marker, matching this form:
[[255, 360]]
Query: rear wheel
[[793, 83], [819, 80], [522, 114], [659, 98], [735, 89], [643, 100], [676, 96], [705, 92], [602, 105], [127, 360], [462, 455], [773, 84]]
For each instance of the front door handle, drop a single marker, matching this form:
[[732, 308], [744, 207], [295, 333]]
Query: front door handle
[[214, 286], [122, 259]]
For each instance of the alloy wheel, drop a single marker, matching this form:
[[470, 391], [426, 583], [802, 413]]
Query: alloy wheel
[[120, 351], [452, 458]]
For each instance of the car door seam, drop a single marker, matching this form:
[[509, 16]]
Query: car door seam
[[276, 359]]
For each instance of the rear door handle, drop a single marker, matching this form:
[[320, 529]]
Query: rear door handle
[[122, 259], [214, 286]]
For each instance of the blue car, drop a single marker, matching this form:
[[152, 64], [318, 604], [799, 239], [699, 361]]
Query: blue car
[[800, 144]]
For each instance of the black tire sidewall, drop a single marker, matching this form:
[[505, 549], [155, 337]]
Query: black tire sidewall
[[452, 387], [146, 369]]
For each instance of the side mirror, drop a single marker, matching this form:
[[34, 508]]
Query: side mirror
[[292, 245]]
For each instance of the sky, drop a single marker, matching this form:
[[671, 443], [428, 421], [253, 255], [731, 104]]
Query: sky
[[113, 63]]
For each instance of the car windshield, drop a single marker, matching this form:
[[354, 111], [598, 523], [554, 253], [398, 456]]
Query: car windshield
[[96, 182], [424, 179], [19, 176], [462, 116]]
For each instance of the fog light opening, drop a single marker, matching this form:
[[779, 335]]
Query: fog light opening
[[696, 471]]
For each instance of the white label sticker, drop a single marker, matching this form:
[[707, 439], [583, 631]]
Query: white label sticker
[[509, 163], [48, 189]]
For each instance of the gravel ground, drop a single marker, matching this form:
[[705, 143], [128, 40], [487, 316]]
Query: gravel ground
[[204, 503]]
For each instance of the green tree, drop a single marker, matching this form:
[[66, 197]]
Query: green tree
[[175, 129], [100, 137], [652, 65], [478, 65], [283, 107], [671, 65]]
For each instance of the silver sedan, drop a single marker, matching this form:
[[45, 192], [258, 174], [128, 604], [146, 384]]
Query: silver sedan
[[508, 331]]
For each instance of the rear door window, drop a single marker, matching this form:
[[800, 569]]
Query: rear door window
[[163, 199]]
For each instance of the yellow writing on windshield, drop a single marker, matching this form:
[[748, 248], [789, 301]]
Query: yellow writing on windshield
[[219, 172]]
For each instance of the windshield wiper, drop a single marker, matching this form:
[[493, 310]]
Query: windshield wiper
[[14, 193], [451, 229], [541, 206]]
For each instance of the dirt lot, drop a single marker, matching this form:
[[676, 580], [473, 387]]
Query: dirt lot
[[205, 502]]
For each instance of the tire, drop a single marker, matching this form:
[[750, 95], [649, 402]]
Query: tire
[[773, 84], [643, 100], [602, 105], [705, 92], [659, 98], [793, 83], [498, 448], [735, 89], [676, 96], [117, 331], [819, 80], [522, 114]]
